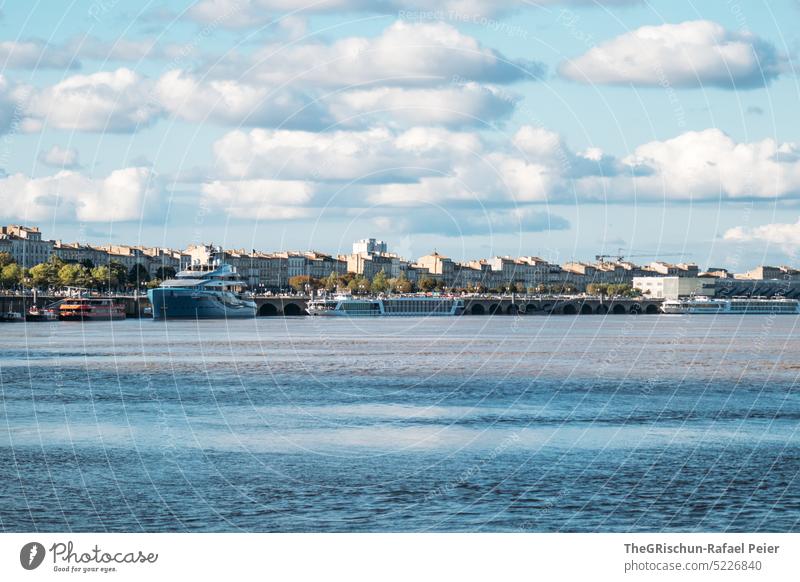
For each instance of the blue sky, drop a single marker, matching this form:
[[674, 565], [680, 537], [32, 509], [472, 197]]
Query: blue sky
[[563, 129]]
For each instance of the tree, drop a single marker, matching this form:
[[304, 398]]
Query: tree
[[165, 273], [101, 276], [332, 281], [5, 259], [138, 275], [153, 283], [73, 275], [11, 275], [118, 274], [46, 274], [359, 284], [379, 283], [300, 282], [87, 263], [401, 284], [426, 284], [600, 289]]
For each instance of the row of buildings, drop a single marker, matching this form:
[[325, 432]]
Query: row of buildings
[[272, 271]]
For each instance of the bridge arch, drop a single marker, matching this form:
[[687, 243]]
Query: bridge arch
[[512, 309], [291, 309], [618, 309], [602, 309], [495, 308], [586, 309], [477, 309], [569, 309], [531, 308], [635, 309], [267, 310], [652, 309]]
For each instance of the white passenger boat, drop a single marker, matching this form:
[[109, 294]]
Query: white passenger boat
[[386, 306], [735, 305]]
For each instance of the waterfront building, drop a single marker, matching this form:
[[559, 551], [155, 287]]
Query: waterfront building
[[765, 272], [674, 270], [440, 268], [25, 245], [130, 257], [675, 287], [369, 246], [79, 253]]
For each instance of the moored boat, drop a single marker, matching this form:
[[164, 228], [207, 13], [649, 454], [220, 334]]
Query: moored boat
[[213, 291], [11, 316], [735, 305], [90, 309], [408, 306], [41, 314]]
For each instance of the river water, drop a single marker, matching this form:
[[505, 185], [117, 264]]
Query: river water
[[589, 423]]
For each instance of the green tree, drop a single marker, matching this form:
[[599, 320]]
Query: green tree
[[138, 275], [46, 274], [153, 283], [300, 282], [5, 259], [73, 275], [379, 283], [332, 281], [426, 284], [118, 274], [165, 273], [359, 284], [11, 275], [401, 284], [101, 277], [87, 263]]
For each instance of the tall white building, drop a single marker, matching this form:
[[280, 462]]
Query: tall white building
[[369, 246]]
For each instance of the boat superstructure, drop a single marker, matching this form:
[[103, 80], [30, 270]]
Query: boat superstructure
[[735, 305], [408, 306], [202, 291]]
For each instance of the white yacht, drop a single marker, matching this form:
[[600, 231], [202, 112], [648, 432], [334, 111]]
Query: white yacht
[[212, 291], [387, 306], [740, 305]]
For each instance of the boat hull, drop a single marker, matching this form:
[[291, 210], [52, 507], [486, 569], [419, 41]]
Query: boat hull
[[195, 304]]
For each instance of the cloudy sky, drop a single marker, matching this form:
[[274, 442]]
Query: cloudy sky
[[559, 128]]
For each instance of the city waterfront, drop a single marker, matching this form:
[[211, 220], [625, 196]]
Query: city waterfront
[[609, 423]]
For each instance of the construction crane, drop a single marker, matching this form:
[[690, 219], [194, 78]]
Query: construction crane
[[619, 257]]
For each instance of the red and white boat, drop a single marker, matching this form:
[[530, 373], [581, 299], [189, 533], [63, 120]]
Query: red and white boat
[[90, 308]]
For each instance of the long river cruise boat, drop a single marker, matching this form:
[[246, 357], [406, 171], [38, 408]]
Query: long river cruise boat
[[202, 291], [386, 306], [735, 305]]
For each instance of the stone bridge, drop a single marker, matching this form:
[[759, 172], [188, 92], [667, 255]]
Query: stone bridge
[[288, 306]]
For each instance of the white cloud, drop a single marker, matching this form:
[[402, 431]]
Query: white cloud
[[116, 101], [404, 54], [231, 102], [782, 234], [58, 157], [374, 155], [690, 54], [709, 165], [458, 105], [261, 199], [34, 54], [69, 195]]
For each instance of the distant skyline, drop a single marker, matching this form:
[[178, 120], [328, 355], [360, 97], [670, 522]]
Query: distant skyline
[[561, 128]]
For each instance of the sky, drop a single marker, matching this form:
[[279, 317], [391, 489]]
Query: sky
[[658, 129]]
